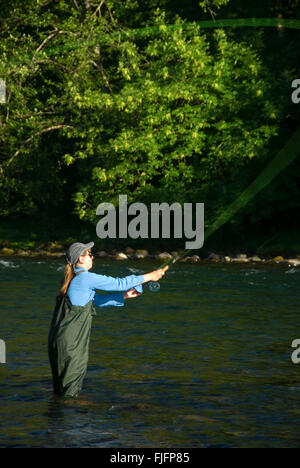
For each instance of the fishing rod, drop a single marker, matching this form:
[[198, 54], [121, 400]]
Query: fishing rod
[[282, 159], [154, 286]]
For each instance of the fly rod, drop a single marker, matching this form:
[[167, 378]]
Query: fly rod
[[282, 159]]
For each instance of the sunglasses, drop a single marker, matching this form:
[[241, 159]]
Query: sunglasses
[[89, 254]]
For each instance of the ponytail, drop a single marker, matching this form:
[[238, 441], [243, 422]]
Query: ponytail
[[69, 275]]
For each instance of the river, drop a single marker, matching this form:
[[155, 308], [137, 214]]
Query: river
[[204, 362]]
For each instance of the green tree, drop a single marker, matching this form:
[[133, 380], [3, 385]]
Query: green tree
[[95, 109], [187, 116]]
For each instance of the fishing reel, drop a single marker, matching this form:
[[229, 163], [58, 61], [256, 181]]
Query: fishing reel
[[154, 286]]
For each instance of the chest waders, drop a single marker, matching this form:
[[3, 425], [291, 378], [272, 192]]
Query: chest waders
[[68, 345]]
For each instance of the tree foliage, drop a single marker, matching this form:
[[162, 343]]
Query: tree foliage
[[94, 111]]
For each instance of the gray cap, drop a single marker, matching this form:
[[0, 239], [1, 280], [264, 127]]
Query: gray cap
[[75, 250]]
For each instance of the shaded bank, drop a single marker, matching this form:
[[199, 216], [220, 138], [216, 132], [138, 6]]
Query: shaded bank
[[55, 250], [29, 237]]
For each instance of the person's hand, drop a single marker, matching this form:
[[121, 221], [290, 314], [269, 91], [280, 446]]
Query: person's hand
[[131, 293], [158, 274], [155, 275]]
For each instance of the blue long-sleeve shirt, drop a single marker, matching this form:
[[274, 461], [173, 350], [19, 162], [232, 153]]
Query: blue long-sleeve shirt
[[83, 288]]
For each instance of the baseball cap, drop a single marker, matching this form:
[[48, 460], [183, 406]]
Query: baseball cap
[[75, 250]]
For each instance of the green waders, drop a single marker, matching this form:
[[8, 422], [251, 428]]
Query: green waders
[[68, 345]]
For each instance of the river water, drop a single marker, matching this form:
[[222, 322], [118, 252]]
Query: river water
[[205, 362]]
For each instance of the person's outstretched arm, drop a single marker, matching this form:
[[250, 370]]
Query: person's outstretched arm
[[109, 283]]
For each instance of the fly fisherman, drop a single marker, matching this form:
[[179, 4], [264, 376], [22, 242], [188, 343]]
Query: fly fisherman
[[68, 341]]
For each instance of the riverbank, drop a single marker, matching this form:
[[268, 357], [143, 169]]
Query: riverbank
[[261, 244], [56, 250]]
